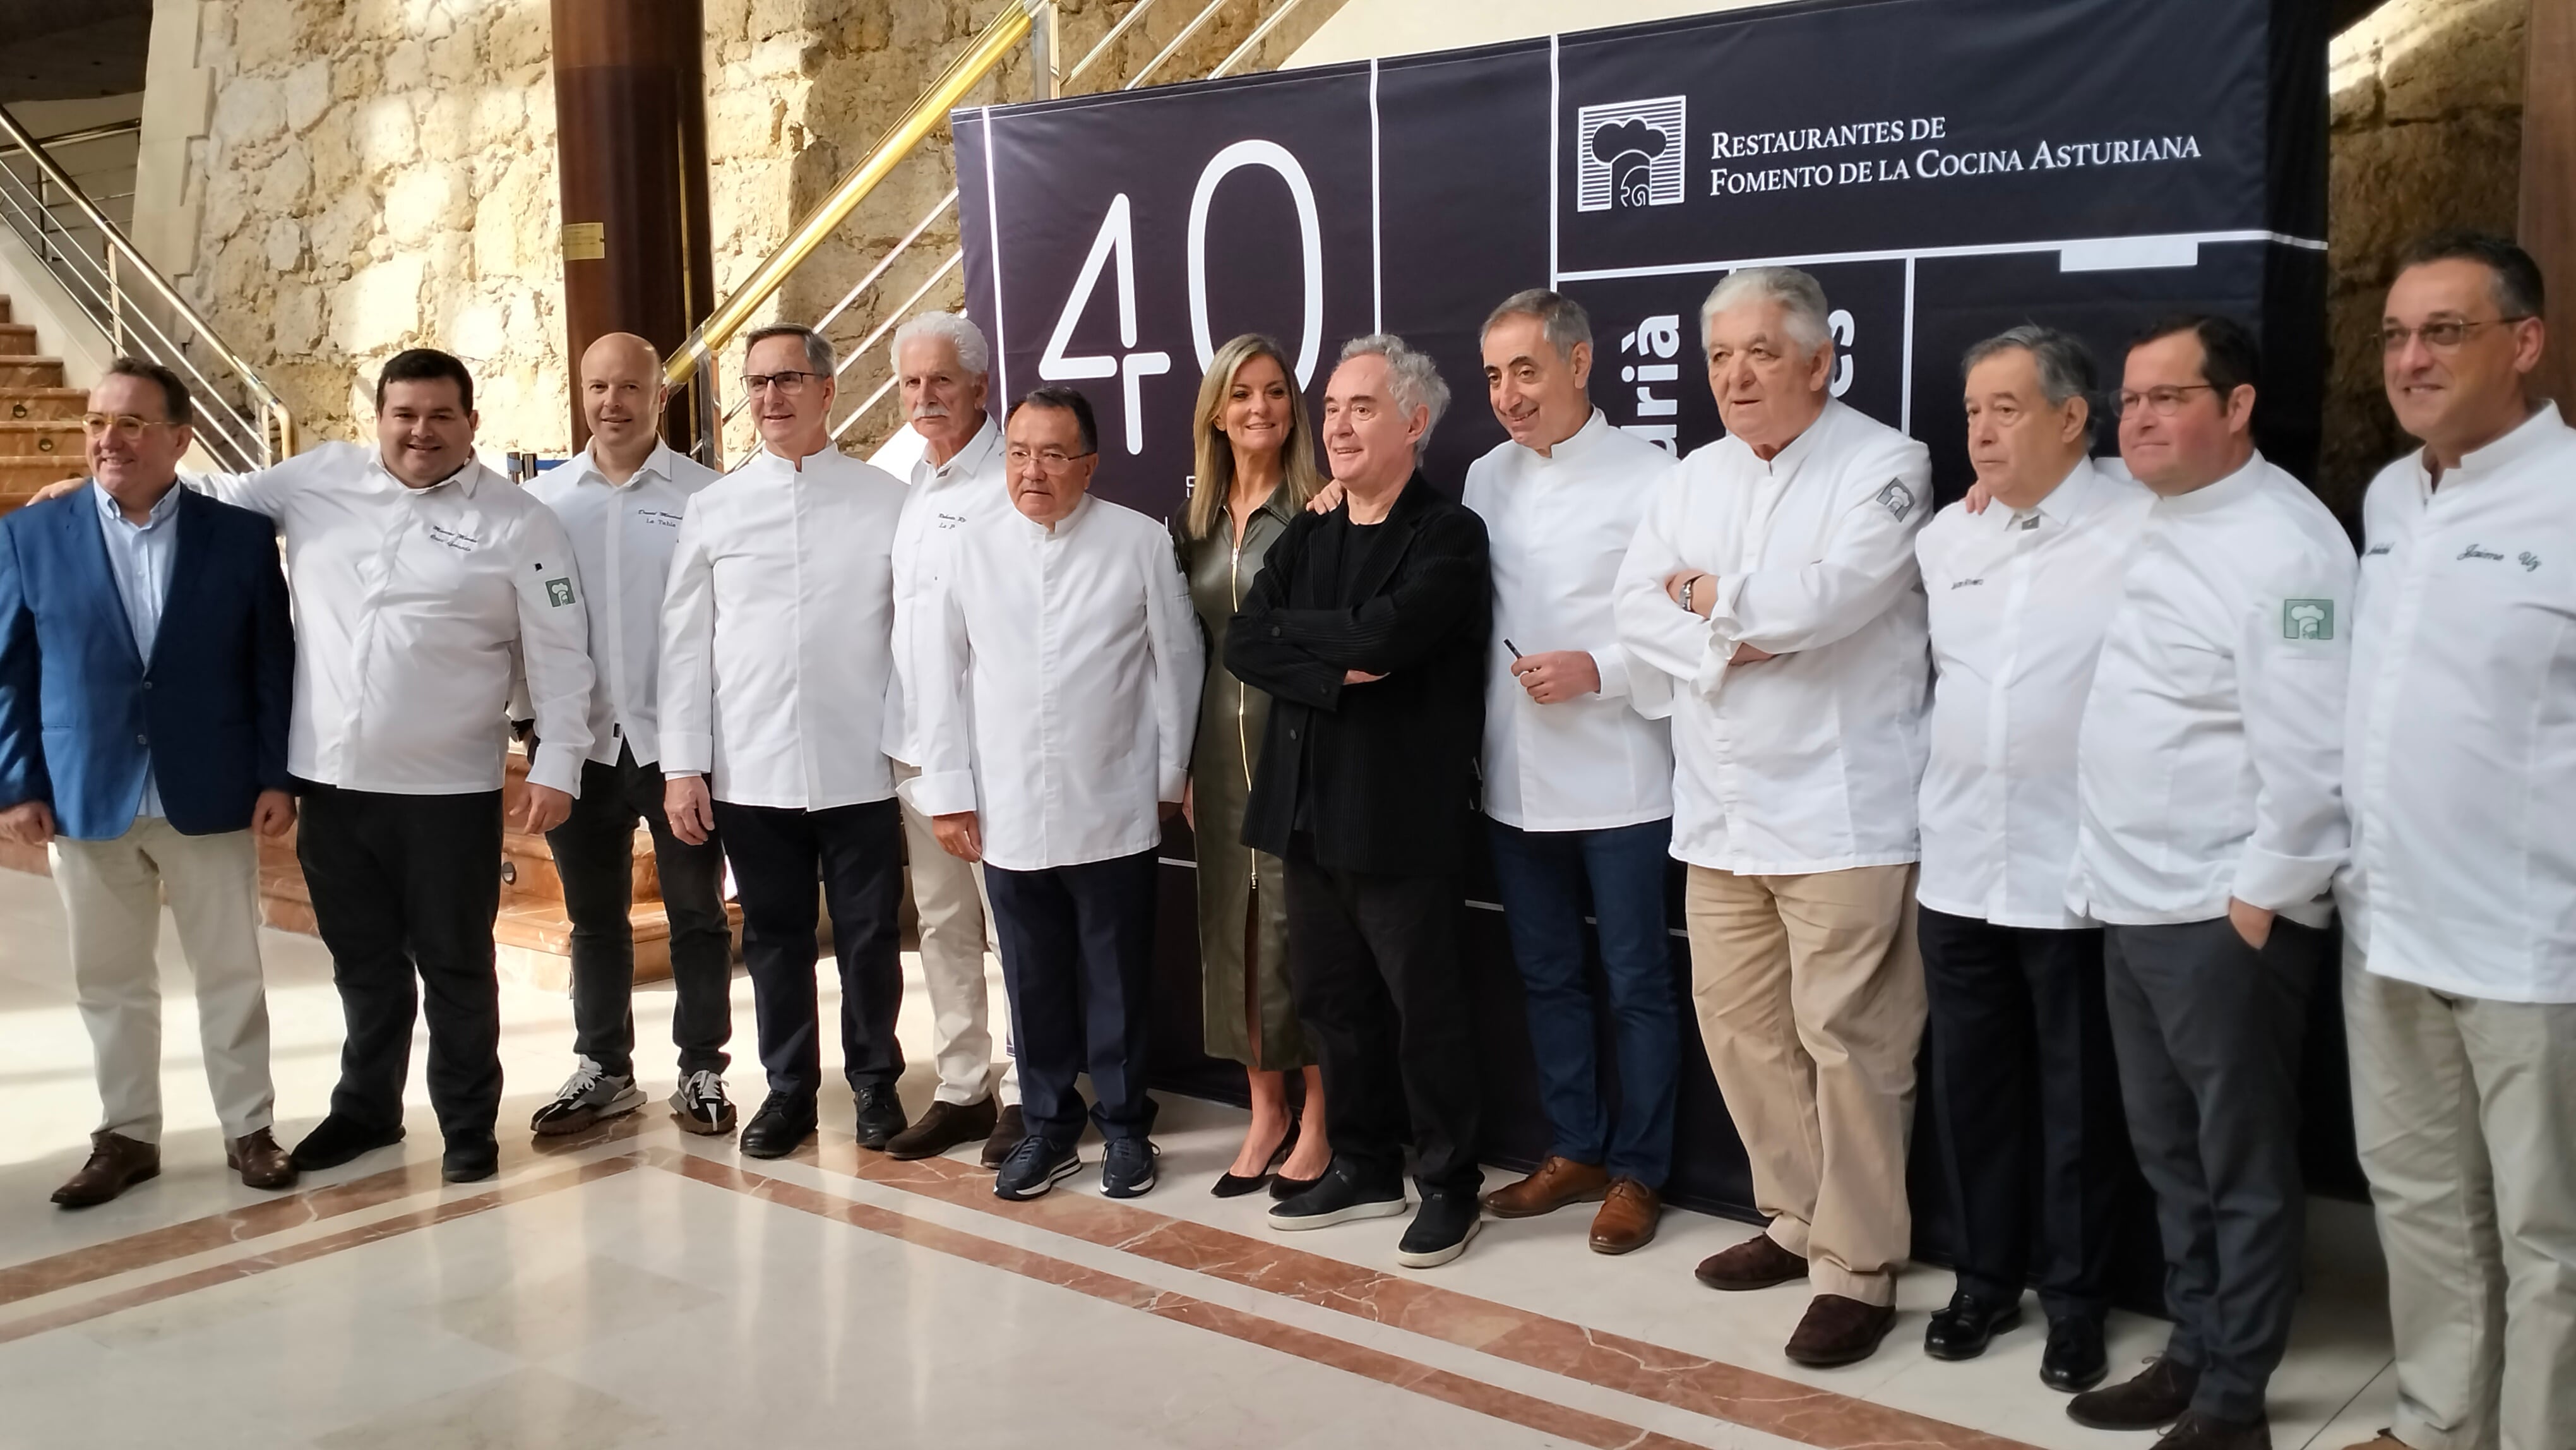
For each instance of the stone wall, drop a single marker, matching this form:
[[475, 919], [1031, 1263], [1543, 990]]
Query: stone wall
[[2427, 134], [378, 174]]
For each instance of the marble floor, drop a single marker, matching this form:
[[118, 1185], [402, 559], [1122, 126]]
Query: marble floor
[[639, 1287]]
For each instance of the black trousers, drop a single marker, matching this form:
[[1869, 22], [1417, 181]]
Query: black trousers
[[2209, 1033], [594, 851], [1078, 961], [2026, 1089], [1374, 962], [857, 854], [406, 886]]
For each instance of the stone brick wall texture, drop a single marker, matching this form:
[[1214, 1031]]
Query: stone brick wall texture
[[2427, 134], [379, 174]]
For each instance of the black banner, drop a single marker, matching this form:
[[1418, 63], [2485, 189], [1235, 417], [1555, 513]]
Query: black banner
[[1946, 168]]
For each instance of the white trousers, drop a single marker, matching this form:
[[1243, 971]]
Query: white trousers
[[112, 894], [2465, 1111], [956, 932]]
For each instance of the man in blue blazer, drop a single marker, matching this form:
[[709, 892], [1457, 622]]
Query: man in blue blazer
[[146, 669]]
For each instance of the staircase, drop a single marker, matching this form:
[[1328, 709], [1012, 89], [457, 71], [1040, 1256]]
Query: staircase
[[40, 435]]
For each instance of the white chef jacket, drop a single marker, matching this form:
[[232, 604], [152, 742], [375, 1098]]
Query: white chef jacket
[[2210, 758], [2460, 744], [1079, 650], [943, 497], [2019, 603], [415, 609], [776, 630], [1558, 525], [1808, 762], [622, 536]]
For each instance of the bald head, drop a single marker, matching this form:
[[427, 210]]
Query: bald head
[[621, 398]]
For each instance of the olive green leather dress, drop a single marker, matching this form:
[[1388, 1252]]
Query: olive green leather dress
[[1243, 908]]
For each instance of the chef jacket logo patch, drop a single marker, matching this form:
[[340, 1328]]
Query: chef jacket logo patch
[[1629, 153], [559, 592], [1897, 499], [2307, 619]]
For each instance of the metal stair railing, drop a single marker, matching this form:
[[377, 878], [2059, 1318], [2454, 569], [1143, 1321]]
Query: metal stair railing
[[240, 420], [692, 364]]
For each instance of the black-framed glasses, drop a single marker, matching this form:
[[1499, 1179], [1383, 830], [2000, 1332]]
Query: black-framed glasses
[[2442, 335], [2163, 401], [784, 382], [1053, 460]]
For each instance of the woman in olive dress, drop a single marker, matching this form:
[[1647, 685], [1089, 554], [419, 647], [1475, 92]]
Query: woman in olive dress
[[1256, 462]]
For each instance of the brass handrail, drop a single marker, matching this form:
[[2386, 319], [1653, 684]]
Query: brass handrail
[[10, 130], [86, 133], [1007, 29]]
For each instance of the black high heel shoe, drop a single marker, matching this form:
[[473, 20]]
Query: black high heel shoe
[[1283, 1187], [1236, 1185]]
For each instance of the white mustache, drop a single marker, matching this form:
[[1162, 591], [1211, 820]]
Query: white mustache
[[929, 410]]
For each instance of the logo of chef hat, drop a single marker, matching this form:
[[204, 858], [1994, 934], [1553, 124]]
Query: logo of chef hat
[[1629, 149]]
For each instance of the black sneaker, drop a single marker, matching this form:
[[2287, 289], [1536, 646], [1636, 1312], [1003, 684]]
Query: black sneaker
[[470, 1160], [1440, 1230], [880, 1116], [1008, 1130], [1337, 1197], [1127, 1168], [588, 1096], [335, 1140], [781, 1126], [1034, 1167], [699, 1105]]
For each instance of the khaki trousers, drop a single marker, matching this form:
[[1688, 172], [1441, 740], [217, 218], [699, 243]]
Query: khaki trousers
[[1810, 998], [2465, 1112], [956, 931], [112, 894]]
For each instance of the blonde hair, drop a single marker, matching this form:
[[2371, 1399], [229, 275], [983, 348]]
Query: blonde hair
[[1298, 475]]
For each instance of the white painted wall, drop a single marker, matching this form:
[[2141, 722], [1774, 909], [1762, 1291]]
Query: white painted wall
[[1365, 28], [62, 329]]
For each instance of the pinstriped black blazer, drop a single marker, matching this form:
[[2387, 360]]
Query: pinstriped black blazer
[[1384, 771]]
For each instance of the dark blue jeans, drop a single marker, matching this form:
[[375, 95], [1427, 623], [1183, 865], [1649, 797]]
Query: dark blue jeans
[[1543, 875]]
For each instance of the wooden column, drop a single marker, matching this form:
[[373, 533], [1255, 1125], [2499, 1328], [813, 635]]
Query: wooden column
[[631, 152], [2549, 182]]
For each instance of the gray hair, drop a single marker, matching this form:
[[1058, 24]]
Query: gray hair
[[1799, 294], [973, 354], [1561, 319], [2065, 364], [818, 348], [1410, 375]]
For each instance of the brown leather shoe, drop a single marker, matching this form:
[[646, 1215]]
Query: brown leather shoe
[[2208, 1432], [1757, 1263], [116, 1163], [1839, 1331], [1558, 1182], [2156, 1396], [2382, 1441], [261, 1163], [947, 1125], [1627, 1218]]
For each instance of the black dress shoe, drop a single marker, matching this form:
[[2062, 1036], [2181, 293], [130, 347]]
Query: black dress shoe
[[335, 1140], [1963, 1330], [880, 1116], [1236, 1185], [783, 1123], [2075, 1359], [469, 1160]]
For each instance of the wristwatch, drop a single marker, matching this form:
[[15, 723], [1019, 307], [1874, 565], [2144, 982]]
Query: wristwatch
[[1687, 586]]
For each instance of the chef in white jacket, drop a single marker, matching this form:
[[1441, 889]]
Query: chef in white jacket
[[1774, 579], [776, 663], [2209, 828], [1066, 623], [2460, 902]]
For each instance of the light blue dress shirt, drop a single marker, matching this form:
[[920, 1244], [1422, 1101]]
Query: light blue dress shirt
[[139, 557]]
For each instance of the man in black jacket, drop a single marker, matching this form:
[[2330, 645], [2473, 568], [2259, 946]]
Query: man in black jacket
[[1367, 628]]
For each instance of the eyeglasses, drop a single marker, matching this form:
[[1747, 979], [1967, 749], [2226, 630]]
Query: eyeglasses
[[2164, 402], [784, 382], [2445, 335], [1053, 460], [124, 425]]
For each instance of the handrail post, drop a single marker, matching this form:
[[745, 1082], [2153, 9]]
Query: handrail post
[[1042, 50], [702, 402]]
